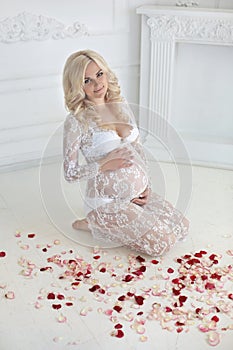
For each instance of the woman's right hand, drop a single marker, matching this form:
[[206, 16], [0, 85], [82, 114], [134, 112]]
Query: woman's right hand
[[117, 159]]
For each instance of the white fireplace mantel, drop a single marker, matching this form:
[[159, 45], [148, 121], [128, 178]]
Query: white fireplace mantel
[[162, 28]]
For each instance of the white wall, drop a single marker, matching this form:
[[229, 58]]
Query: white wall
[[31, 96]]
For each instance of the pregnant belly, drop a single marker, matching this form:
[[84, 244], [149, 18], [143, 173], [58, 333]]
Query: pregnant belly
[[125, 183]]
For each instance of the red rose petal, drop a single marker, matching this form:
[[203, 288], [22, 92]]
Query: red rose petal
[[122, 298], [140, 259], [216, 276], [51, 296], [193, 261], [137, 273], [182, 298], [46, 268], [96, 257], [212, 257], [118, 326], [94, 288], [2, 254], [139, 299], [31, 235], [175, 291], [155, 262], [69, 304], [56, 306], [170, 270], [101, 291], [117, 308], [230, 296], [119, 333], [204, 277], [176, 281], [187, 256], [60, 297], [103, 269], [198, 255], [168, 309], [215, 318], [142, 268], [128, 278], [209, 286], [75, 284], [180, 329], [140, 313]]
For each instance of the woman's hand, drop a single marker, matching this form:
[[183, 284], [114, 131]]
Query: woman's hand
[[143, 198], [117, 159]]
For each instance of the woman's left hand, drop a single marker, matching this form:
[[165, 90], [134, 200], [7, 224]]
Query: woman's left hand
[[143, 198]]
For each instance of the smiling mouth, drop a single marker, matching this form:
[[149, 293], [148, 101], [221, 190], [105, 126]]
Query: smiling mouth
[[96, 91]]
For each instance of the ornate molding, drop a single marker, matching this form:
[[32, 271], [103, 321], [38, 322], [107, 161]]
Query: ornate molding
[[201, 29], [27, 27], [187, 3]]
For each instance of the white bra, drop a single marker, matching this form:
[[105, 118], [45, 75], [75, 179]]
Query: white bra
[[105, 141]]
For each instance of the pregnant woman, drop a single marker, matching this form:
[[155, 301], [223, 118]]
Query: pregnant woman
[[119, 203]]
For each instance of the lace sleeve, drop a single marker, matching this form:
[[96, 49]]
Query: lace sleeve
[[73, 171]]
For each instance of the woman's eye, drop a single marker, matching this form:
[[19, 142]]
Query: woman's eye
[[100, 74], [87, 81]]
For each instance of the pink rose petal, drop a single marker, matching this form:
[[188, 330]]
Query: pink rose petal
[[213, 338], [61, 318], [10, 295]]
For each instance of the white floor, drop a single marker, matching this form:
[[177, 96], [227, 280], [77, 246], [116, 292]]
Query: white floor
[[29, 321]]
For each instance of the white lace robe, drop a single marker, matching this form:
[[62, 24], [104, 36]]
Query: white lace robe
[[152, 228]]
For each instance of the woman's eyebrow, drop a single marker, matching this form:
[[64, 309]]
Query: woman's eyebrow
[[95, 74]]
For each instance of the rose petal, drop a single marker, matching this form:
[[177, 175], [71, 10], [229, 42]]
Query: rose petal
[[213, 338], [10, 295], [140, 259], [170, 270], [2, 254], [143, 338], [60, 296], [119, 333], [51, 296], [155, 262], [57, 339], [117, 308], [139, 299], [94, 288], [128, 278], [61, 318], [57, 242], [118, 326]]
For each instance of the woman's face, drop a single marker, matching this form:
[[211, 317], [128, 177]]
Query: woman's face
[[95, 83]]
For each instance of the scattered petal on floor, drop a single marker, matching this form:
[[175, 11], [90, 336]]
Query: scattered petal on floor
[[194, 292], [10, 295]]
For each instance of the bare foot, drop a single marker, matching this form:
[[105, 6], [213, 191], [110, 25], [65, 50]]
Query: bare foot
[[81, 225]]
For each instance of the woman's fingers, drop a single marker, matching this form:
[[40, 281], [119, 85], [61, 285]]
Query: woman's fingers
[[139, 201]]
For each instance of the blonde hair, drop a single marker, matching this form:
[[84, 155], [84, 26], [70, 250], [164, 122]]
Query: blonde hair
[[73, 83]]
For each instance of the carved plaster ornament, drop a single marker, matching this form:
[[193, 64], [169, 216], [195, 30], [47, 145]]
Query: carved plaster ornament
[[27, 27]]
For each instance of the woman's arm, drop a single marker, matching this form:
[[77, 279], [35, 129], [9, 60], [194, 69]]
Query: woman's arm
[[73, 171]]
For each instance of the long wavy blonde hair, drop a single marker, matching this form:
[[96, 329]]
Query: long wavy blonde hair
[[73, 85]]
